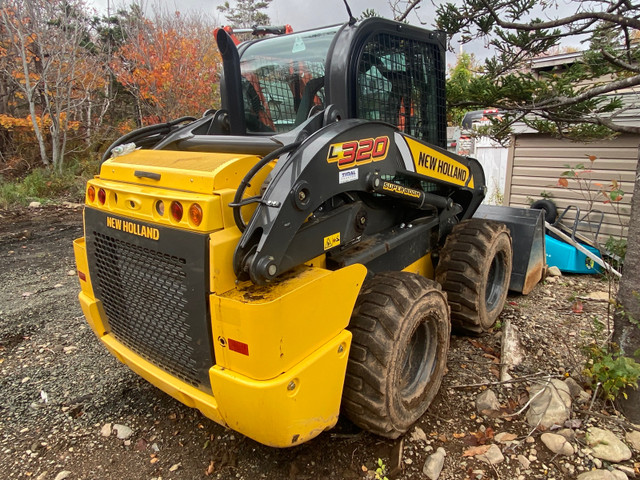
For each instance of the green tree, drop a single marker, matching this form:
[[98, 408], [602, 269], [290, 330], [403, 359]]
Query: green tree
[[246, 13], [460, 80]]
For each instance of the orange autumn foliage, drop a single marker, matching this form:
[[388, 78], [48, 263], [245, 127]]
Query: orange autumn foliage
[[172, 72]]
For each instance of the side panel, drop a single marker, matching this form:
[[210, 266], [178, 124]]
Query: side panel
[[284, 323]]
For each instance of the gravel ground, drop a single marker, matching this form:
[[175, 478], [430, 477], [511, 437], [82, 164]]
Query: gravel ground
[[59, 389]]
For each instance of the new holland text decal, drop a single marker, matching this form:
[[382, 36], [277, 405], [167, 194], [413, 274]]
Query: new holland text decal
[[133, 228], [432, 163], [358, 152]]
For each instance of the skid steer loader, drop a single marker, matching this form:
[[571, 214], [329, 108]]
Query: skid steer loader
[[305, 248]]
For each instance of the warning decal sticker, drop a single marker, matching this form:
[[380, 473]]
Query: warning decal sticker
[[332, 241]]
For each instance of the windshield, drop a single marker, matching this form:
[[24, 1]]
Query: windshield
[[283, 79]]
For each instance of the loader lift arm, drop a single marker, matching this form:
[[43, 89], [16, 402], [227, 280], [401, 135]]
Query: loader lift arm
[[341, 185]]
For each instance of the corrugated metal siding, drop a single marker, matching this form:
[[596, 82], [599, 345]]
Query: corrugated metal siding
[[537, 161]]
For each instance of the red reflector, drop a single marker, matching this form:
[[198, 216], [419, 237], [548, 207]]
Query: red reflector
[[239, 347], [82, 276], [176, 211]]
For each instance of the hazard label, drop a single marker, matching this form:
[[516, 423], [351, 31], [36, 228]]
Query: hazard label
[[332, 241]]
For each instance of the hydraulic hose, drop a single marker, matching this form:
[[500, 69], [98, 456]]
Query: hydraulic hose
[[237, 216], [157, 129]]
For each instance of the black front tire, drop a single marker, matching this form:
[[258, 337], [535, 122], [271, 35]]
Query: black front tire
[[475, 271], [398, 355]]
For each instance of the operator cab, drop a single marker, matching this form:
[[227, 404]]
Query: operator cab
[[373, 70]]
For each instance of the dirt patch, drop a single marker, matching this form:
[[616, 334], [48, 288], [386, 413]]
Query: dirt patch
[[59, 387]]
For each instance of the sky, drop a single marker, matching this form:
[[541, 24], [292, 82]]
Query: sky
[[306, 14], [300, 14]]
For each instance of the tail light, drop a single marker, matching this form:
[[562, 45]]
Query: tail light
[[195, 214], [102, 196], [91, 194]]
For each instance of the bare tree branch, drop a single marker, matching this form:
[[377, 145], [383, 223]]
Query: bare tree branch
[[617, 19], [410, 7], [619, 63]]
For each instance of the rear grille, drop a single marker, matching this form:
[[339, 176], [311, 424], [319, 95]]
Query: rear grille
[[154, 301]]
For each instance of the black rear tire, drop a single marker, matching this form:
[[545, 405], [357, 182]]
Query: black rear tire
[[398, 355], [475, 270]]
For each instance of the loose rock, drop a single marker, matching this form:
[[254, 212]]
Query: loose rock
[[62, 475], [618, 475], [487, 402], [554, 272], [574, 388], [505, 437], [36, 205], [493, 456], [524, 461], [105, 431], [433, 465], [418, 435], [551, 404], [122, 431], [557, 444], [629, 471], [596, 475], [567, 433], [633, 437], [606, 446]]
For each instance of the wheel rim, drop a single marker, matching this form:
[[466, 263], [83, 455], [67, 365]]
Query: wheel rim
[[420, 361], [495, 281]]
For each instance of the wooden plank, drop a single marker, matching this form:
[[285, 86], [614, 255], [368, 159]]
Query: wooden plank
[[572, 155], [561, 164], [528, 176], [565, 195], [525, 175], [546, 141]]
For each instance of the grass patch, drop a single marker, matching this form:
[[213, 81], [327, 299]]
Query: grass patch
[[48, 186]]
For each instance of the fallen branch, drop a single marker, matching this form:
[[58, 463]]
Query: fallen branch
[[617, 420], [512, 380]]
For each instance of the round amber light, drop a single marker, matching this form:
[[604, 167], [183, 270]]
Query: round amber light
[[91, 194], [195, 214], [176, 211]]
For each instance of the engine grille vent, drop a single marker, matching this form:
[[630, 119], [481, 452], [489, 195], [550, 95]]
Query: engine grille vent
[[144, 293]]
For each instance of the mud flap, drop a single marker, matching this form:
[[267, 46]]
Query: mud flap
[[527, 234]]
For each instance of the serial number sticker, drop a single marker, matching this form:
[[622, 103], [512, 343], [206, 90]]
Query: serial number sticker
[[346, 176], [332, 241]]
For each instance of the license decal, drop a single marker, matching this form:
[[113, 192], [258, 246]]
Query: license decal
[[332, 241], [133, 228], [346, 176], [434, 164], [358, 152]]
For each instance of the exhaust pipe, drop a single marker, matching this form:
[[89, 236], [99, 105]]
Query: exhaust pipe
[[231, 83]]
